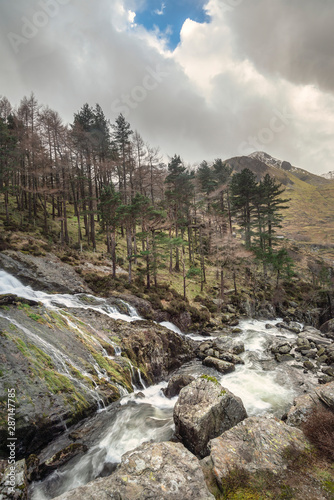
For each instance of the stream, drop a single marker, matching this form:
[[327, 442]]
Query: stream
[[146, 414]]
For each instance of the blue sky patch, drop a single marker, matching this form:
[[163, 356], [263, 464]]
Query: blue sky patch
[[169, 16]]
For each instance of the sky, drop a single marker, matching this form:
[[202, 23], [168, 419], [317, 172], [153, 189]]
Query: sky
[[203, 79]]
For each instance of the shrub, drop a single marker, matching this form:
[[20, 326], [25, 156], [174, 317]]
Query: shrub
[[319, 429]]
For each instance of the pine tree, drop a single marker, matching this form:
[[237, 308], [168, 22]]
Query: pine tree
[[110, 201], [121, 137], [178, 195], [269, 205], [243, 192]]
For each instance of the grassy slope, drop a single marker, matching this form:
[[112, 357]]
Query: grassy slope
[[310, 216]]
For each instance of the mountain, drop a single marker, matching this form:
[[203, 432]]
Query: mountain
[[329, 175], [286, 166], [310, 216]]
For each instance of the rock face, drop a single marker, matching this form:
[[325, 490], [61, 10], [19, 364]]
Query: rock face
[[257, 444], [176, 383], [304, 405], [48, 273], [153, 348], [14, 486], [63, 368], [164, 471], [326, 395], [203, 411]]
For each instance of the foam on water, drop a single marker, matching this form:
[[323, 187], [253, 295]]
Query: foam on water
[[9, 284]]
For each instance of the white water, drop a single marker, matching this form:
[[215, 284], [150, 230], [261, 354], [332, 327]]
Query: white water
[[259, 390], [140, 420], [9, 284], [137, 421]]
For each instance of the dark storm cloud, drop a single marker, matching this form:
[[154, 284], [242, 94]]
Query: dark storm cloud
[[83, 51], [291, 38]]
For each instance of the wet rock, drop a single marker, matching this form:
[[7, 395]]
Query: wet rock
[[156, 350], [203, 411], [61, 458], [258, 444], [49, 399], [309, 365], [176, 383], [281, 348], [283, 357], [229, 319], [325, 379], [8, 299], [292, 326], [302, 342], [312, 354], [316, 339], [13, 482], [219, 365], [164, 471], [222, 349], [231, 358], [328, 370]]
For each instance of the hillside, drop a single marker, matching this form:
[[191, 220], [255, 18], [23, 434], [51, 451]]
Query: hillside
[[310, 216]]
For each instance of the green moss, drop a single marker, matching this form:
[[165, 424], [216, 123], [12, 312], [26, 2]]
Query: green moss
[[23, 306], [58, 320], [37, 317], [210, 379], [114, 371]]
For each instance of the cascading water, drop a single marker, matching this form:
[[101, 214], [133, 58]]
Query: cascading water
[[147, 414], [139, 419]]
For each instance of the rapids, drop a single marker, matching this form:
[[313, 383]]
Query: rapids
[[147, 414]]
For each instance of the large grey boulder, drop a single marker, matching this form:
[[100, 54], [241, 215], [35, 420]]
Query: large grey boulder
[[203, 411], [162, 471], [257, 444], [176, 383], [303, 406], [326, 395]]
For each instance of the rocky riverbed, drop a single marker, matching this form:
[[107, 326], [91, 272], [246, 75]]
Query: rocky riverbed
[[70, 356]]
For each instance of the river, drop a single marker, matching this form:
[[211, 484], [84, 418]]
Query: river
[[146, 414]]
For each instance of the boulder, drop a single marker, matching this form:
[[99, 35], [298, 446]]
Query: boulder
[[315, 338], [258, 444], [301, 409], [326, 394], [203, 411], [219, 365], [304, 405], [164, 471], [328, 326], [176, 383], [281, 347], [292, 326], [234, 346]]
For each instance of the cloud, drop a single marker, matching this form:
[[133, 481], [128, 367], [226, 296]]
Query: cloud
[[220, 90], [160, 12], [293, 39]]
